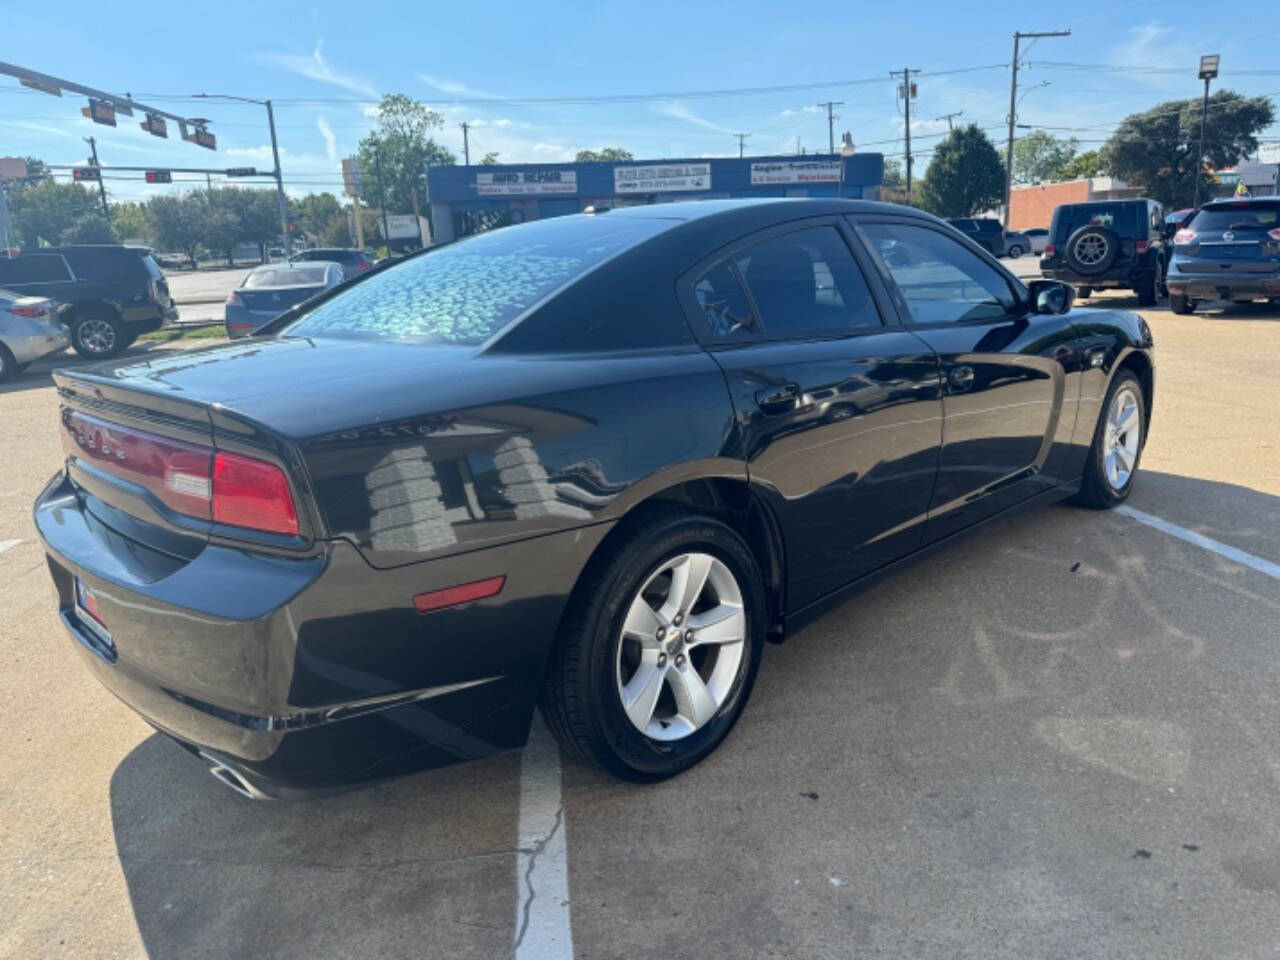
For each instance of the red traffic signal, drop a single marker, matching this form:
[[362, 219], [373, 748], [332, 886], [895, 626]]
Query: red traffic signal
[[159, 176], [85, 173]]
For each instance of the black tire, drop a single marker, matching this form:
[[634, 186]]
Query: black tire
[[1083, 292], [580, 697], [1015, 251], [98, 336], [1096, 491], [1149, 290], [1103, 239], [8, 366], [1181, 303]]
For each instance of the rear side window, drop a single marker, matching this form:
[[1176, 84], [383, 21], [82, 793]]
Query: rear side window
[[106, 264], [724, 304], [32, 268], [1122, 217], [1238, 216], [807, 283], [468, 291]]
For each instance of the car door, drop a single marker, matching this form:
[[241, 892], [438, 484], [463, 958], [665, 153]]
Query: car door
[[1009, 374], [838, 412]]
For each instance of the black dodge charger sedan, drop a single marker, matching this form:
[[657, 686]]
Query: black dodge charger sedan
[[591, 463]]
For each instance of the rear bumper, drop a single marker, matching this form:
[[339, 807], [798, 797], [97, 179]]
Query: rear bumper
[[311, 674], [1127, 278], [1213, 286], [33, 341]]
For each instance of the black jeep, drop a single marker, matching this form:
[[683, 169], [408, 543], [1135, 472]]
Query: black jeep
[[108, 295], [1109, 244]]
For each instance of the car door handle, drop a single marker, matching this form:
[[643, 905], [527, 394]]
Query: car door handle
[[961, 377], [779, 399]]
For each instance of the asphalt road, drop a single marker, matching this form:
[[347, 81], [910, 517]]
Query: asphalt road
[[1056, 738]]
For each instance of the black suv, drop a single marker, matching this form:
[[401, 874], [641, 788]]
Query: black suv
[[1109, 244], [985, 232], [108, 295], [353, 261]]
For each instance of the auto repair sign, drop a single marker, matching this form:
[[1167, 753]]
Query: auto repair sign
[[796, 171], [662, 177], [526, 183]]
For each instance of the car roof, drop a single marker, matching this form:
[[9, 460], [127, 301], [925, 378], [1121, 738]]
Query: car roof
[[132, 247], [1238, 202]]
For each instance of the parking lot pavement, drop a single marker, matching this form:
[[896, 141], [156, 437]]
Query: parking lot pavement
[[190, 285], [1055, 738]]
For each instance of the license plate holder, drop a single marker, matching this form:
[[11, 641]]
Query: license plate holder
[[85, 608]]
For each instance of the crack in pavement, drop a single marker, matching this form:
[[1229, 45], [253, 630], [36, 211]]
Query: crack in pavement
[[537, 849]]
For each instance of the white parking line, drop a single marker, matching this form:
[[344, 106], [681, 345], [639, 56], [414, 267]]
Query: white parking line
[[1200, 540], [543, 931], [6, 544]]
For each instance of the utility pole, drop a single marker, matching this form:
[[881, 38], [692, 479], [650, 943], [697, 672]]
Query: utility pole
[[906, 100], [831, 122], [949, 117], [741, 137], [1018, 37], [102, 190], [798, 150], [382, 199], [466, 145]]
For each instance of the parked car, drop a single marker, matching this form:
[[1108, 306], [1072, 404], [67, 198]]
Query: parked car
[[29, 330], [591, 462], [984, 231], [108, 295], [1016, 243], [270, 290], [353, 261], [1038, 236], [1230, 250], [174, 261], [1108, 244]]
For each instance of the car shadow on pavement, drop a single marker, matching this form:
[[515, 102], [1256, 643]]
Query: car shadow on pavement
[[423, 866]]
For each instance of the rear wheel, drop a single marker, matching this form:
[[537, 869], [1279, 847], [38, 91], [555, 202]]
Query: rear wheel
[[1015, 251], [97, 336], [1117, 445], [659, 648], [1149, 290], [8, 366], [1082, 292], [1181, 303]]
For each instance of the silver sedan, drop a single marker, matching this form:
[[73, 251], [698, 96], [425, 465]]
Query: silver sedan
[[29, 330]]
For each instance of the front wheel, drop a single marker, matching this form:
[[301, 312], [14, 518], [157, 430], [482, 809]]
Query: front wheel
[[97, 336], [659, 647], [1150, 289], [1181, 303], [8, 365], [1082, 292], [1015, 252], [1117, 445]]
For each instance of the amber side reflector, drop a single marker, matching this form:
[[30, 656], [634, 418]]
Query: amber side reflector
[[462, 593]]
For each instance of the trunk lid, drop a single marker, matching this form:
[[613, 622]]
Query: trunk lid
[[276, 299]]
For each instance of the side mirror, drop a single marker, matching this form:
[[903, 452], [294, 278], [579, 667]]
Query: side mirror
[[1052, 296]]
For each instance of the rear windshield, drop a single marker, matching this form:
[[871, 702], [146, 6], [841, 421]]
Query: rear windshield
[[283, 277], [1238, 216], [1120, 217], [466, 292]]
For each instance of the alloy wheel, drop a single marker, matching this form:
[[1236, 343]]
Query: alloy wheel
[[1091, 249], [1123, 438], [96, 335], [682, 646]]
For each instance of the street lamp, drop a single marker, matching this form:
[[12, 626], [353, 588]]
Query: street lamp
[[1208, 70]]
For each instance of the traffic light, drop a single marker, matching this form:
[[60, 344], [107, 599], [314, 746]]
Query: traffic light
[[202, 138], [99, 111], [155, 125], [85, 173], [159, 176]]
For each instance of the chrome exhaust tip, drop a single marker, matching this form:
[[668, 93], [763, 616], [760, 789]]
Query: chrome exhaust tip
[[228, 777]]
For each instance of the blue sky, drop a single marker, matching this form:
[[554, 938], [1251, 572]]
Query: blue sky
[[326, 63]]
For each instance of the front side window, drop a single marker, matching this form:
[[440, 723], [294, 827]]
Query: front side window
[[807, 284], [940, 280]]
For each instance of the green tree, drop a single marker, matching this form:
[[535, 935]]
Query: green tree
[[489, 159], [403, 143], [129, 221], [178, 222], [315, 212], [44, 209], [604, 155], [255, 211], [1041, 156], [221, 231], [964, 177], [1087, 164], [91, 227], [893, 181], [1159, 149]]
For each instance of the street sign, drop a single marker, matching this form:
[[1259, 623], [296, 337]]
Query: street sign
[[100, 111], [1224, 179], [85, 173], [13, 168], [1269, 153], [159, 176], [352, 185], [242, 171], [155, 126], [202, 138]]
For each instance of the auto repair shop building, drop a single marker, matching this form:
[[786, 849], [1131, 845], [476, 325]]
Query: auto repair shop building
[[467, 200]]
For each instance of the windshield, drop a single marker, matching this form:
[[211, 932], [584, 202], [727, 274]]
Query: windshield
[[468, 291], [285, 277], [1242, 216]]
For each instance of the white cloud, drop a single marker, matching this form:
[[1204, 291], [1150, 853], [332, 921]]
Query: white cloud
[[811, 108], [330, 141], [456, 88], [316, 67], [678, 111]]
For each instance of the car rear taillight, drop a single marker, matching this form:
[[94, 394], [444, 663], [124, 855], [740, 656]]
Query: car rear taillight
[[252, 493], [36, 311], [1050, 250], [1184, 236], [241, 327], [363, 264], [1141, 246], [1274, 234], [233, 300]]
